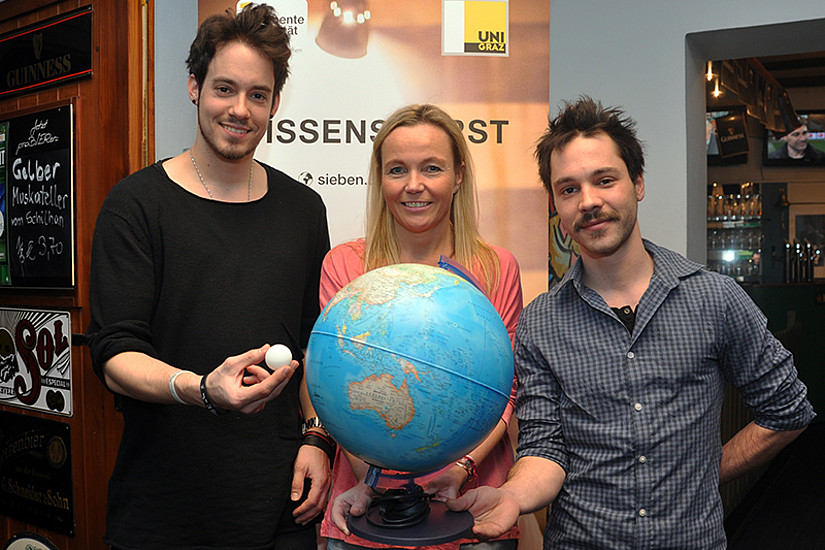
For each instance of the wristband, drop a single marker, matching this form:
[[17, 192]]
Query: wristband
[[317, 440], [322, 436], [208, 402], [172, 389]]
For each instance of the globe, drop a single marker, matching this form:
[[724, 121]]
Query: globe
[[409, 367]]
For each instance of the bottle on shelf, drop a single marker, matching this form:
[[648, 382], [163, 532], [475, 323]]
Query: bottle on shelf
[[734, 235]]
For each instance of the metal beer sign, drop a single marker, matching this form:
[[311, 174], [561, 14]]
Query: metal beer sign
[[36, 360]]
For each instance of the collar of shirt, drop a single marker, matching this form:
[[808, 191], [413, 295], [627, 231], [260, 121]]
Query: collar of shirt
[[668, 269]]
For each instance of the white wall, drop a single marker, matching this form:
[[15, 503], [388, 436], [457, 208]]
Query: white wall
[[176, 23], [647, 56]]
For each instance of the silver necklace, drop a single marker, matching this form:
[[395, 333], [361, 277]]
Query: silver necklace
[[203, 182]]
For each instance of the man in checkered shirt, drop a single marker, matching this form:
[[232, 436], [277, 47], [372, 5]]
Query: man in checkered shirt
[[623, 367]]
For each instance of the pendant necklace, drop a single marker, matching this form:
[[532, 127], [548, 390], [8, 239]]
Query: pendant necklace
[[203, 182]]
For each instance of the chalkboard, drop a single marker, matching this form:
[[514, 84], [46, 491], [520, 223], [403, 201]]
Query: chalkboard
[[39, 199]]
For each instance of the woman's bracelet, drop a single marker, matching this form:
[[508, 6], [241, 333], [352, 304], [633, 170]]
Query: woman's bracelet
[[315, 439], [207, 401], [468, 465]]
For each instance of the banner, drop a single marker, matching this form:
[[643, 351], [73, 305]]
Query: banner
[[356, 62]]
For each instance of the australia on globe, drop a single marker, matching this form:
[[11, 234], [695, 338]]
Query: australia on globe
[[409, 367]]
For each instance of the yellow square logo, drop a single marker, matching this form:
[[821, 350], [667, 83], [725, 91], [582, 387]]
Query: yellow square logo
[[485, 27], [475, 27]]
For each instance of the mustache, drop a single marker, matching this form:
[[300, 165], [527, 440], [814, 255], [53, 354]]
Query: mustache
[[595, 216]]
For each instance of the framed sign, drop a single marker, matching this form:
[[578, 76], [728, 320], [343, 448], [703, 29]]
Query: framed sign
[[39, 200], [36, 471], [732, 134], [46, 54], [36, 360]]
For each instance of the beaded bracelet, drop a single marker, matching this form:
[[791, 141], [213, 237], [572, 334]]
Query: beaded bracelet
[[208, 402], [314, 439]]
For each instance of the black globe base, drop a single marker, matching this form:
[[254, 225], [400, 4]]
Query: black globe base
[[439, 525]]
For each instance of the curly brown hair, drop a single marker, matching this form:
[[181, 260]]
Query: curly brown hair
[[257, 26]]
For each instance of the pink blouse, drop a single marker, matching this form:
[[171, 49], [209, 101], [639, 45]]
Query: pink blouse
[[343, 264]]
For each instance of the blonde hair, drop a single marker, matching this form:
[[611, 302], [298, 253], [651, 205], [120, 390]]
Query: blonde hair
[[381, 238]]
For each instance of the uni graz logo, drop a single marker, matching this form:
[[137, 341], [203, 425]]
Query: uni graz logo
[[305, 178]]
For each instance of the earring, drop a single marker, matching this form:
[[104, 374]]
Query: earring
[[194, 101]]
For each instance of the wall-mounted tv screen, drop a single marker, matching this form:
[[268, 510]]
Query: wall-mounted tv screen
[[804, 146]]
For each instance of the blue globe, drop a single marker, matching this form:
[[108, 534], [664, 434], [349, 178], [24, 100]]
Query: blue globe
[[409, 367]]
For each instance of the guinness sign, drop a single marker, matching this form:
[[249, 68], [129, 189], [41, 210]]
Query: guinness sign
[[733, 135], [46, 54]]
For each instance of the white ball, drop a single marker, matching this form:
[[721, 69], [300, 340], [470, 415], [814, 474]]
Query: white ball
[[277, 356]]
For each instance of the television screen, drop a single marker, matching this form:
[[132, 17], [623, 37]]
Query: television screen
[[804, 146]]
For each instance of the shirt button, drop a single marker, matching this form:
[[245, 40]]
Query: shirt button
[[642, 459], [630, 355], [643, 512], [637, 406]]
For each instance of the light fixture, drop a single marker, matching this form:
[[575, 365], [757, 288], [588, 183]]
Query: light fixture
[[709, 76], [344, 31], [716, 90]]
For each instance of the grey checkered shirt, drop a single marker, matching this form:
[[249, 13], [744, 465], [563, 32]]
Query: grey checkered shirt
[[634, 419]]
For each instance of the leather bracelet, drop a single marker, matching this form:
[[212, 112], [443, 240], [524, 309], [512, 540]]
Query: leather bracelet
[[316, 440], [207, 401], [323, 435]]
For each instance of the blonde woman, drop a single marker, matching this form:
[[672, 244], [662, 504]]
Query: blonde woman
[[420, 206]]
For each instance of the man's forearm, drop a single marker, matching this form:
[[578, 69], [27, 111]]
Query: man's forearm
[[534, 483], [751, 447], [139, 376]]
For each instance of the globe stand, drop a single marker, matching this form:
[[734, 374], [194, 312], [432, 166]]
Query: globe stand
[[407, 516]]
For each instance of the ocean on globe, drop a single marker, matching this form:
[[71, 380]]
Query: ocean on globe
[[409, 367]]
